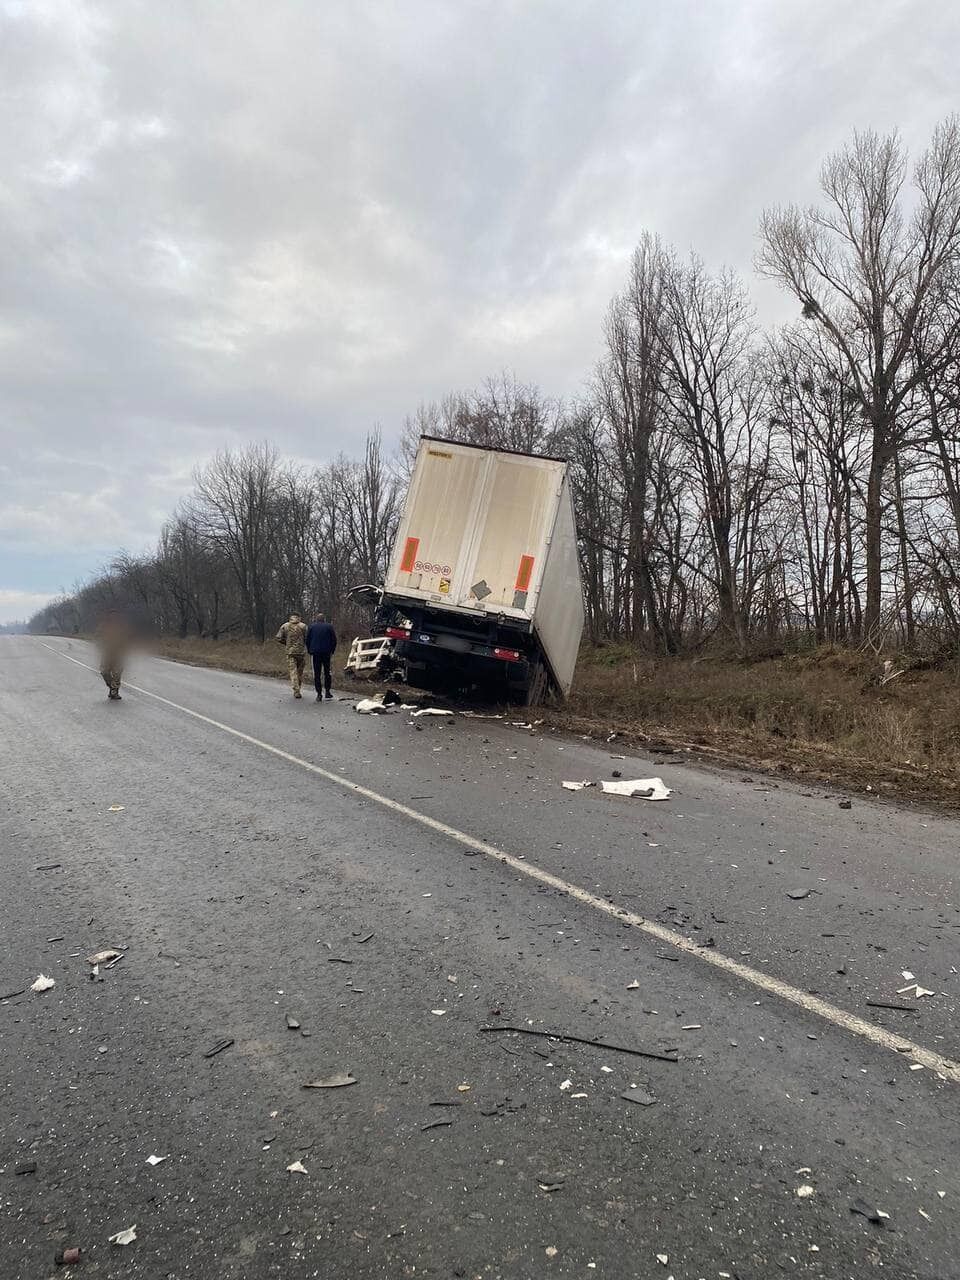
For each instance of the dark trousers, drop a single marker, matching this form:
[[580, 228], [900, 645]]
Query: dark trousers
[[321, 672]]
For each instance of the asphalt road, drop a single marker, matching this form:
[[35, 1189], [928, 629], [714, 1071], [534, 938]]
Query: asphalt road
[[244, 886]]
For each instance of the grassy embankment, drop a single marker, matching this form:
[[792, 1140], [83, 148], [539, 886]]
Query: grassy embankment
[[816, 715]]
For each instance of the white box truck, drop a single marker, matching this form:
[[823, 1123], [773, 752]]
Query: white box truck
[[484, 586]]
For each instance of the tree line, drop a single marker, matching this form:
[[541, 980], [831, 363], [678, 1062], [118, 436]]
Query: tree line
[[795, 485]]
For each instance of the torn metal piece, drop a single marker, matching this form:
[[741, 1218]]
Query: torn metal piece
[[124, 1237], [596, 1044], [338, 1081], [218, 1048]]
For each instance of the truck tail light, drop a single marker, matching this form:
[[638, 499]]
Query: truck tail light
[[508, 655], [398, 633]]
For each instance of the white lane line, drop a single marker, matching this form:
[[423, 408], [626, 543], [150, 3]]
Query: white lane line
[[831, 1013]]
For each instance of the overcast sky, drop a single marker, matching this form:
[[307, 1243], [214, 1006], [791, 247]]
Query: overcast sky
[[235, 220]]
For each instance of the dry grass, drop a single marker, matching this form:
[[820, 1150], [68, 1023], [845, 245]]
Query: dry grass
[[815, 715]]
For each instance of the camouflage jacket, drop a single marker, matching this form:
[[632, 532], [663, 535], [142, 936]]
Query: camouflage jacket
[[293, 636]]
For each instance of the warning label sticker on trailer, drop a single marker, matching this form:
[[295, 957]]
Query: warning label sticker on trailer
[[444, 586]]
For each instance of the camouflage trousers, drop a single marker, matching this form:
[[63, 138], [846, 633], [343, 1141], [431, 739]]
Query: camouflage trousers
[[111, 678], [295, 665]]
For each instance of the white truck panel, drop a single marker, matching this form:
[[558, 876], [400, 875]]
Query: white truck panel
[[559, 614]]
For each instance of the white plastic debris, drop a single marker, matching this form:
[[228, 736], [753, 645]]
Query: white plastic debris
[[103, 957], [804, 1192], [907, 976], [567, 1084], [124, 1237], [663, 1259], [633, 986], [296, 1167], [576, 786], [438, 1012], [155, 1160], [372, 707], [116, 808], [550, 1251], [916, 989], [645, 788], [43, 983], [431, 711]]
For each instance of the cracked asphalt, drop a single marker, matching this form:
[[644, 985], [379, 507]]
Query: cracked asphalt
[[245, 891]]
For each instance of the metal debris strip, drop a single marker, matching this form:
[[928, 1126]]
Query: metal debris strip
[[596, 1044], [338, 1081], [218, 1047]]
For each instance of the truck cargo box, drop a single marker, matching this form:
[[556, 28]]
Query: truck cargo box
[[490, 532]]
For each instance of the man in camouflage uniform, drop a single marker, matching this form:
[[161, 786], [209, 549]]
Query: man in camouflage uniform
[[293, 636], [113, 637]]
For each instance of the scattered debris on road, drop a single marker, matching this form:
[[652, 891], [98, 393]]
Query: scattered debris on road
[[28, 1166], [550, 1251], [292, 1023], [218, 1048], [436, 1124], [846, 804], [50, 866], [889, 1004], [876, 1216], [124, 1237], [633, 986], [638, 1095], [799, 894], [43, 983], [296, 1167], [116, 808], [596, 1044], [380, 705], [918, 991], [108, 957], [155, 1160], [638, 788], [10, 994], [577, 786], [337, 1081], [66, 1257], [431, 711], [804, 1192]]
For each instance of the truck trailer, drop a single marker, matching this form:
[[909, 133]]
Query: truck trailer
[[483, 589]]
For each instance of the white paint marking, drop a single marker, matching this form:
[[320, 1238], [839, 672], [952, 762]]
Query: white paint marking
[[762, 981]]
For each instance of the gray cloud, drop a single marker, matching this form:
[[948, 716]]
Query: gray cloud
[[227, 222]]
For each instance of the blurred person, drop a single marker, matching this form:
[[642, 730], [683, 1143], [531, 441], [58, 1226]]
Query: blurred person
[[113, 636], [293, 636], [321, 645]]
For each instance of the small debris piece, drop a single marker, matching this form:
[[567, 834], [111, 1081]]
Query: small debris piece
[[463, 1088], [889, 1004], [907, 976], [296, 1167], [431, 711], [596, 1044], [643, 788], [338, 960], [68, 1256], [103, 957], [576, 786], [550, 1251], [10, 994], [50, 866], [846, 804], [916, 1066], [876, 1216], [43, 983], [439, 1012], [663, 1259], [567, 1084], [551, 1186], [28, 1166], [218, 1048], [331, 1082], [578, 1095], [640, 1096], [124, 1237], [918, 991], [292, 1023], [607, 1070], [633, 986], [155, 1160], [692, 1026], [799, 894], [436, 1124], [804, 1192], [116, 808], [366, 938]]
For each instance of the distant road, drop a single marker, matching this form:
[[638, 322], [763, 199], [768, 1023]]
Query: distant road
[[395, 885]]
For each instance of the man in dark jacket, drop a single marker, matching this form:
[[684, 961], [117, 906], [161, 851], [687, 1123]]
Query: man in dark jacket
[[321, 645]]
